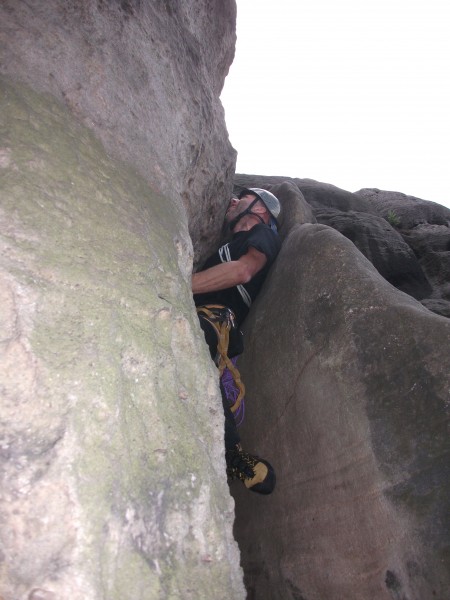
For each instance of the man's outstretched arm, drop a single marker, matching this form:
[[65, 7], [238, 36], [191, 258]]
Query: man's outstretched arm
[[229, 274]]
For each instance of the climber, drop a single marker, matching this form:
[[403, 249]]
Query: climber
[[224, 290]]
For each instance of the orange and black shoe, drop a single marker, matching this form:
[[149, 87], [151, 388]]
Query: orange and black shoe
[[255, 473]]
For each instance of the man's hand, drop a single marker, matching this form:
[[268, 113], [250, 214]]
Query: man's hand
[[229, 274]]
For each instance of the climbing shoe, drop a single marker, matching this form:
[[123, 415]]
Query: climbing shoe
[[255, 473]]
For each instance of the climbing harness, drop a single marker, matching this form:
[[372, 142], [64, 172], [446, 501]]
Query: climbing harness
[[222, 319]]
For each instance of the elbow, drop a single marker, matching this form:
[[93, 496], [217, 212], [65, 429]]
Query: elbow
[[244, 275]]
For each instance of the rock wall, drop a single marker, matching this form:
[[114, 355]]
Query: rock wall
[[112, 147], [406, 239], [347, 383], [425, 227], [112, 461], [115, 172], [145, 76]]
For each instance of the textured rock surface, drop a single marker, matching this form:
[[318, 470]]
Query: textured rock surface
[[146, 77], [112, 474], [112, 471], [383, 246], [425, 227], [348, 393], [405, 238]]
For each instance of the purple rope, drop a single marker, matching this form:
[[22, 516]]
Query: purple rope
[[232, 392]]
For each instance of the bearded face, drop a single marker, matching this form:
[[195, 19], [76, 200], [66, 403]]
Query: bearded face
[[236, 206]]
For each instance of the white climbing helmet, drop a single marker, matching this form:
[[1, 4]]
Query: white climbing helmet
[[270, 201]]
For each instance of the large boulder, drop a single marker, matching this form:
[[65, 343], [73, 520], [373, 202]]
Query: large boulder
[[405, 238], [316, 193], [347, 384], [112, 469], [115, 162], [146, 78], [409, 210], [383, 245], [425, 227]]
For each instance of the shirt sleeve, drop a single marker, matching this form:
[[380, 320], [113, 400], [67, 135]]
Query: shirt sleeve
[[265, 240]]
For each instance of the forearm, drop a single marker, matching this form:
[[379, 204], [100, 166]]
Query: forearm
[[220, 277]]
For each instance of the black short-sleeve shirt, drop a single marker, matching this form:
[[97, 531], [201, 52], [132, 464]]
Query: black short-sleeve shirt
[[260, 237]]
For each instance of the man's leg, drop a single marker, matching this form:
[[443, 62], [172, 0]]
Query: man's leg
[[232, 437], [256, 473]]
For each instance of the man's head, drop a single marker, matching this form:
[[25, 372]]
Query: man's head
[[253, 205], [270, 201]]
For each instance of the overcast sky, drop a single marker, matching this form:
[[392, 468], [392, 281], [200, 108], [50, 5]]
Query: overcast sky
[[350, 92]]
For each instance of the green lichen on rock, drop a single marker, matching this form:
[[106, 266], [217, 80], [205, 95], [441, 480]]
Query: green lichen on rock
[[108, 412]]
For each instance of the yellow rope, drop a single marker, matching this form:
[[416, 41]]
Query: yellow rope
[[222, 328]]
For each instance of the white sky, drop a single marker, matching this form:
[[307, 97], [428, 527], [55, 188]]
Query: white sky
[[350, 92]]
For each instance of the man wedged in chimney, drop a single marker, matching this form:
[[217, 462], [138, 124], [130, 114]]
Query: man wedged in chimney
[[223, 292]]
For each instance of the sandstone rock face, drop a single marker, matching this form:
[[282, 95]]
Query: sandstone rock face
[[383, 246], [112, 470], [348, 394], [146, 77], [405, 238], [111, 431], [347, 382], [425, 227]]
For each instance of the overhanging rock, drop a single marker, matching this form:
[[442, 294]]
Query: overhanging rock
[[347, 384]]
